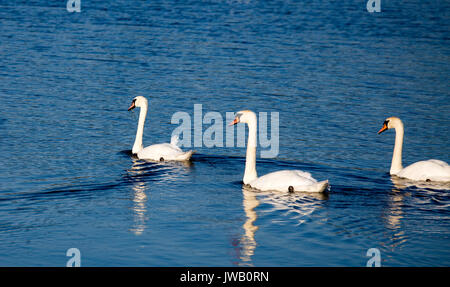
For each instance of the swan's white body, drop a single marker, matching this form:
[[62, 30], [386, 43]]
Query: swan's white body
[[427, 170], [284, 180], [164, 151], [158, 152]]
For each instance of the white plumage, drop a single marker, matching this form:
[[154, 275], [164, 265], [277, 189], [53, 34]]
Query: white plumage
[[284, 180], [157, 152], [427, 170]]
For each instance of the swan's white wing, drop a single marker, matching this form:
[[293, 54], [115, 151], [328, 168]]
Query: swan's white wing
[[439, 162], [433, 169], [282, 181]]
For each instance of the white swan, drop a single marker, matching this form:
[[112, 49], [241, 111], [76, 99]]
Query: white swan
[[284, 180], [427, 170], [158, 152]]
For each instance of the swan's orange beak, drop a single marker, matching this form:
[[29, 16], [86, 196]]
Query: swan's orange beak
[[236, 120], [383, 129], [132, 106]]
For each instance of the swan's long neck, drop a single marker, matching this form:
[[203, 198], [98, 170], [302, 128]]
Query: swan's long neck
[[396, 165], [250, 159], [140, 130]]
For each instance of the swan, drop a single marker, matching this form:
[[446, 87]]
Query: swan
[[284, 180], [426, 170], [157, 152]]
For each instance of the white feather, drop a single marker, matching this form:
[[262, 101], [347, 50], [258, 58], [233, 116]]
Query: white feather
[[164, 151]]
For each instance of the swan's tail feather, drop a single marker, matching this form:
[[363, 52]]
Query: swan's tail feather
[[174, 140], [321, 186], [186, 155]]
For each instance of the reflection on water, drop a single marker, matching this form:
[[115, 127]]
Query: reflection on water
[[424, 193], [139, 198], [141, 174], [139, 208], [395, 212], [394, 219], [248, 243], [298, 206]]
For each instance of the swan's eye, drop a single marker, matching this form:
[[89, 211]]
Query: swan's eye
[[386, 123]]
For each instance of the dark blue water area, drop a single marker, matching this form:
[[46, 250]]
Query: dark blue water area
[[330, 69]]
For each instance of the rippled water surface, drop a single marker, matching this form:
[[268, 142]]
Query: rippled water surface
[[331, 70]]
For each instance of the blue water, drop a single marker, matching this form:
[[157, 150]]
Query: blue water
[[331, 70]]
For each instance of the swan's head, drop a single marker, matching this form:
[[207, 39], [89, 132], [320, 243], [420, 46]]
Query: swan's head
[[139, 102], [244, 117], [390, 123]]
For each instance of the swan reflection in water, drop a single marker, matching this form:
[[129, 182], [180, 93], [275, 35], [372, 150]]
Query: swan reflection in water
[[248, 243], [430, 188], [298, 206], [139, 208], [141, 174], [397, 198], [394, 215]]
